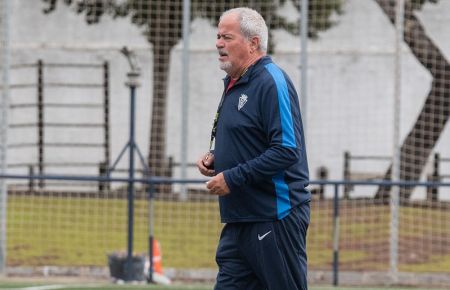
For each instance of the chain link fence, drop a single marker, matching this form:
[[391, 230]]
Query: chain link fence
[[375, 91]]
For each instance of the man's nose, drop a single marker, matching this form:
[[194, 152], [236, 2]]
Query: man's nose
[[219, 43]]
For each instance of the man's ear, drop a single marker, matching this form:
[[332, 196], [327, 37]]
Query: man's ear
[[254, 43]]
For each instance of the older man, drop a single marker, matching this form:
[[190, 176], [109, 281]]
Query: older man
[[258, 164]]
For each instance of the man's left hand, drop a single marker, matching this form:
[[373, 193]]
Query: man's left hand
[[217, 185]]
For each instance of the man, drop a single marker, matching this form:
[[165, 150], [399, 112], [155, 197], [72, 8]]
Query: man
[[258, 164]]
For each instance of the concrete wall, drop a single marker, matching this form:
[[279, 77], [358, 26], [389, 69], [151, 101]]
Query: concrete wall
[[350, 89]]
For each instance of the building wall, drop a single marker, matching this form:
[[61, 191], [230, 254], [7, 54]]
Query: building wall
[[350, 91]]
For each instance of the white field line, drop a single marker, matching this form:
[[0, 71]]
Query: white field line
[[48, 287], [43, 287]]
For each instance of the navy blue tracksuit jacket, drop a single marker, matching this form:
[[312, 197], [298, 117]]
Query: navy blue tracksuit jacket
[[260, 147]]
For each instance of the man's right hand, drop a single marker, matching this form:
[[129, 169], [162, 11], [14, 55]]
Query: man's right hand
[[206, 164]]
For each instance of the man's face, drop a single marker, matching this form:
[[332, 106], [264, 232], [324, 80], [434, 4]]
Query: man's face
[[233, 47]]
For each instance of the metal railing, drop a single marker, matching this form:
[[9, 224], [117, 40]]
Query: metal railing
[[41, 85], [152, 182]]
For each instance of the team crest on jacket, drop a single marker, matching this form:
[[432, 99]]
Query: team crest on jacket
[[242, 100]]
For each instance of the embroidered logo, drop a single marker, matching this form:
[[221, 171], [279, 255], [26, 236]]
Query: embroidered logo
[[242, 100], [263, 236]]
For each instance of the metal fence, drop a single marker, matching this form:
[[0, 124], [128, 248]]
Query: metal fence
[[49, 108], [74, 231], [373, 79]]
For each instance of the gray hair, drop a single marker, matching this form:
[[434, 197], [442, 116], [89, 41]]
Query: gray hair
[[252, 24]]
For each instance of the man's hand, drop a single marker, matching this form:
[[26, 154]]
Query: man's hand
[[217, 185], [206, 164]]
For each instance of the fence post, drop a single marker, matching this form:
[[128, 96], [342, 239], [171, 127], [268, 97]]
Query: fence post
[[31, 181], [396, 146], [40, 121], [336, 236], [347, 187], [185, 73], [304, 19], [106, 111], [433, 191], [322, 175], [103, 171], [151, 191], [4, 98]]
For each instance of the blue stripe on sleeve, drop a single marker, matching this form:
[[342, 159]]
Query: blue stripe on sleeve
[[282, 190], [287, 126]]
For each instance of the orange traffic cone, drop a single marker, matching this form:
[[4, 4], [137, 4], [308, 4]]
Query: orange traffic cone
[[158, 276], [157, 258]]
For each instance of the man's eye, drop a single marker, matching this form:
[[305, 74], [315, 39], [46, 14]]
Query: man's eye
[[225, 37]]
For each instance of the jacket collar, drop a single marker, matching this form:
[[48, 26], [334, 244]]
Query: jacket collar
[[254, 68]]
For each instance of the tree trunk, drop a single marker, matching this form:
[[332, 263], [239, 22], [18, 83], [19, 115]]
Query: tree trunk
[[434, 115], [157, 162]]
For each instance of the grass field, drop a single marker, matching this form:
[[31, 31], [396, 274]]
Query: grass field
[[28, 286], [81, 231]]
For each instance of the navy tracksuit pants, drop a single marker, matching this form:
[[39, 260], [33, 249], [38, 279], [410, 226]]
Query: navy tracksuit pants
[[264, 255]]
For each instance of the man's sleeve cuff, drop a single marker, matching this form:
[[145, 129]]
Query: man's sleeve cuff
[[229, 181]]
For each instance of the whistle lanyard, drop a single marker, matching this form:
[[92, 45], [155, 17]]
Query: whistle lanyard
[[216, 120]]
